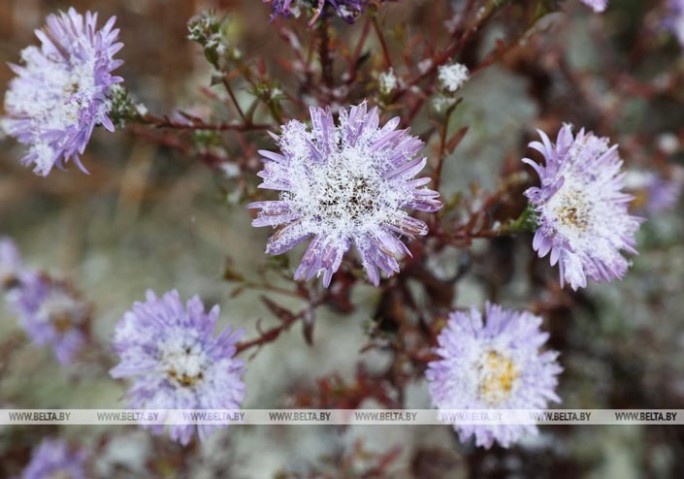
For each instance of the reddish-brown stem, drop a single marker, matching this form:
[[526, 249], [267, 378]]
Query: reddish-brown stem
[[272, 334], [383, 42], [196, 124], [229, 89], [324, 54]]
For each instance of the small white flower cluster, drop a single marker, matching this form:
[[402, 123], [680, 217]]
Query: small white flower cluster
[[451, 77], [388, 82]]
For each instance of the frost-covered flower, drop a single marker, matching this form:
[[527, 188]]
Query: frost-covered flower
[[54, 459], [347, 10], [48, 309], [597, 5], [653, 193], [675, 19], [582, 211], [495, 364], [451, 77], [388, 82], [50, 312], [177, 363], [344, 185], [60, 92]]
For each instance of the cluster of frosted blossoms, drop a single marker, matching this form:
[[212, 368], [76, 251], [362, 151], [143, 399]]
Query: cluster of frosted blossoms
[[169, 349], [347, 10], [493, 364], [50, 311], [582, 211], [345, 184], [60, 92]]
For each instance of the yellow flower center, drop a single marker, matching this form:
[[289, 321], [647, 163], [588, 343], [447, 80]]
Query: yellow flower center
[[573, 210], [498, 375]]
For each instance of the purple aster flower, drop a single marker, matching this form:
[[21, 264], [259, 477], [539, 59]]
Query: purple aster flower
[[653, 193], [347, 10], [176, 361], [54, 459], [596, 5], [51, 313], [675, 19], [60, 92], [344, 185], [493, 365], [582, 211]]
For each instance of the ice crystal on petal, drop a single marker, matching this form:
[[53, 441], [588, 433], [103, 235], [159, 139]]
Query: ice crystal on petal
[[582, 211], [493, 364], [345, 184], [53, 459], [177, 363], [61, 89]]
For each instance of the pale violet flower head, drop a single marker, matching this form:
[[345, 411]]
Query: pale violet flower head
[[597, 5], [51, 312], [170, 351], [653, 193], [451, 77], [60, 92], [53, 459], [675, 19], [495, 363], [581, 209], [343, 184]]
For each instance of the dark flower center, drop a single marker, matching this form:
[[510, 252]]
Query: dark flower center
[[346, 199]]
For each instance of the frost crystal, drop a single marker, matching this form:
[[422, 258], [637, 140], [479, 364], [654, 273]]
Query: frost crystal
[[52, 459], [597, 5], [60, 92], [176, 361], [344, 185], [493, 365], [583, 217], [451, 77]]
